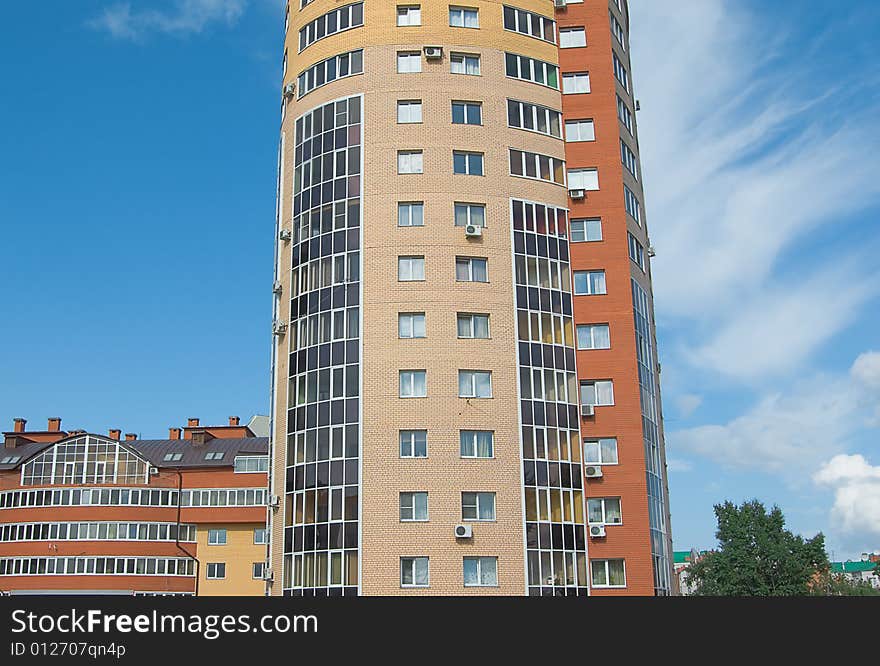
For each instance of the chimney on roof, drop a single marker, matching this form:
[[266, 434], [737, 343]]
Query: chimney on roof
[[192, 423], [173, 433], [130, 437], [54, 424], [234, 420], [19, 425], [115, 434]]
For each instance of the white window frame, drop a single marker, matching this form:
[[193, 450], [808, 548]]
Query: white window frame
[[217, 536], [604, 510], [580, 130], [470, 269], [457, 12], [409, 377], [408, 438], [414, 262], [479, 561], [480, 499], [412, 497], [592, 334], [599, 444], [470, 318], [410, 162], [576, 85], [597, 384], [409, 111], [578, 38], [467, 163], [471, 377], [412, 15], [409, 59], [586, 222], [590, 288], [467, 105], [409, 207], [471, 437], [474, 214], [217, 567], [606, 563], [465, 61], [413, 562], [412, 318]]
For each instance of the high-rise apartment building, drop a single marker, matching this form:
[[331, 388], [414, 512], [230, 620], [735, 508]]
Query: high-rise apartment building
[[466, 395]]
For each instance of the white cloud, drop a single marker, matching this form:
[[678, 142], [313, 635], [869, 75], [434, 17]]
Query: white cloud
[[856, 485], [773, 332], [676, 465], [866, 369], [688, 403], [741, 169], [185, 17]]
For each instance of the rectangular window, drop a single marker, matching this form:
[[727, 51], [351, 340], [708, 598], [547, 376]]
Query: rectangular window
[[589, 283], [467, 113], [636, 251], [409, 62], [474, 384], [480, 571], [463, 63], [413, 507], [604, 511], [411, 325], [593, 336], [261, 536], [530, 24], [534, 118], [259, 570], [413, 443], [466, 163], [597, 393], [579, 130], [624, 114], [409, 161], [633, 207], [217, 537], [620, 72], [464, 17], [409, 111], [574, 83], [617, 30], [537, 166], [410, 269], [531, 70], [608, 573], [410, 214], [586, 230], [413, 384], [473, 326], [478, 506], [477, 444], [468, 213], [600, 451], [629, 159], [414, 572], [216, 570], [471, 269], [583, 179], [409, 15], [572, 37]]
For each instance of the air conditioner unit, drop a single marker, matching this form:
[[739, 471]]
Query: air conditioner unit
[[559, 4], [593, 472], [154, 470], [473, 231], [284, 235], [597, 531], [576, 194], [638, 105], [433, 52], [277, 288], [290, 89], [268, 575], [275, 501], [279, 328], [588, 410], [651, 251], [464, 531]]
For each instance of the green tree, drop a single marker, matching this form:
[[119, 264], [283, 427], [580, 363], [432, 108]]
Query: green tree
[[757, 556]]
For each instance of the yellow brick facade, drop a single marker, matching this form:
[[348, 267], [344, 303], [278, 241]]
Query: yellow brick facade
[[238, 554]]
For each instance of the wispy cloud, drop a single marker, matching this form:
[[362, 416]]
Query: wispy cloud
[[183, 17], [745, 161]]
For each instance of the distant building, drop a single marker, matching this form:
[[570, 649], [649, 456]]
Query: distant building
[[99, 514], [682, 561], [864, 570]]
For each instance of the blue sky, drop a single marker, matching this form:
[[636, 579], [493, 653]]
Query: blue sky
[[137, 204]]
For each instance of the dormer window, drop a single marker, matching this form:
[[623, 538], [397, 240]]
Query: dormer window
[[214, 455], [172, 457]]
